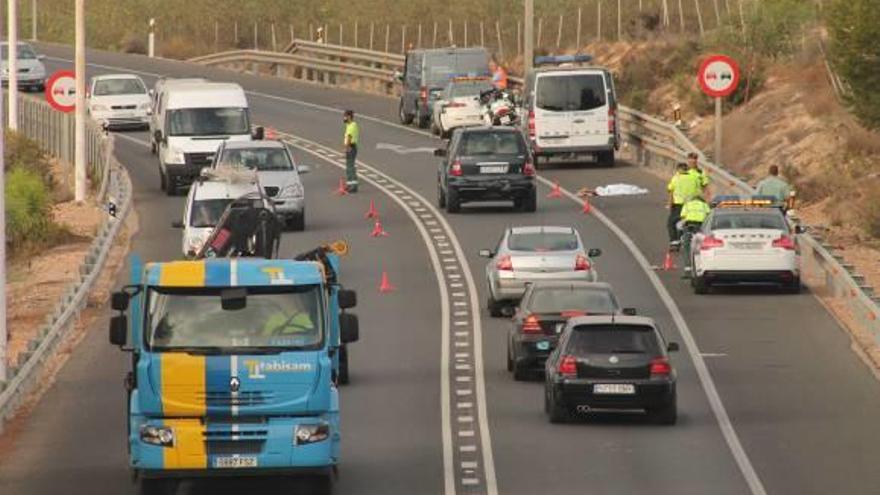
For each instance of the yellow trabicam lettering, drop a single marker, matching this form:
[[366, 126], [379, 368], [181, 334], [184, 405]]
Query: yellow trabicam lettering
[[276, 275], [257, 369]]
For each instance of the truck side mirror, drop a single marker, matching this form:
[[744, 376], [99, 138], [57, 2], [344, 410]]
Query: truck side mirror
[[119, 301], [258, 133], [347, 298], [440, 152], [349, 328], [594, 253], [119, 330]]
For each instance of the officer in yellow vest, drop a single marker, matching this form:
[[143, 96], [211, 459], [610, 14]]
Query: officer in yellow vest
[[350, 139], [693, 214], [681, 187]]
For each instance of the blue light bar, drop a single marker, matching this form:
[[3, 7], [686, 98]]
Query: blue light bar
[[563, 59]]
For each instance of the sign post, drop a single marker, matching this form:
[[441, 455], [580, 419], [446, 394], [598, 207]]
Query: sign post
[[718, 77]]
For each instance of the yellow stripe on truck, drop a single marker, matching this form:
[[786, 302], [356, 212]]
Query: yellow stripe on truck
[[188, 451], [183, 394], [183, 274]]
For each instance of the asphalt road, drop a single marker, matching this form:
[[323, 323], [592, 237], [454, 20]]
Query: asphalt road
[[799, 400]]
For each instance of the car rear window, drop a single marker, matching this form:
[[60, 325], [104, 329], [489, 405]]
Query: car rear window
[[460, 90], [206, 213], [613, 339], [570, 92], [441, 67], [747, 220], [542, 241], [557, 300], [492, 143]]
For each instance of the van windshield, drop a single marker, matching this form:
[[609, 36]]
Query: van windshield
[[208, 121], [441, 67], [108, 87], [571, 92]]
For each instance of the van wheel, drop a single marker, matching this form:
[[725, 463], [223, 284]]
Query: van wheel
[[441, 198], [453, 203], [170, 185], [405, 118], [606, 158], [422, 120]]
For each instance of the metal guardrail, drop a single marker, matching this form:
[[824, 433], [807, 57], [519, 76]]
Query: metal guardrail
[[54, 133], [654, 143]]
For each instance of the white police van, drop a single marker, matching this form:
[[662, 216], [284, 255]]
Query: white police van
[[572, 109]]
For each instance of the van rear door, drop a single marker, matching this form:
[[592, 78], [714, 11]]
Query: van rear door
[[571, 110]]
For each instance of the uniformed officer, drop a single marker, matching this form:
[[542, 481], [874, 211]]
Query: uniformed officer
[[683, 186], [776, 187], [694, 168], [350, 139], [693, 214]]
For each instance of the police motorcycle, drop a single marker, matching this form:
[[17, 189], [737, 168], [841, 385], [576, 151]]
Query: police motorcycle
[[499, 107]]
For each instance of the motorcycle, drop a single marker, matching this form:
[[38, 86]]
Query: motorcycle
[[498, 107]]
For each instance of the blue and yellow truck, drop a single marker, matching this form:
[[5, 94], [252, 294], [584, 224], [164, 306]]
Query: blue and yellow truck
[[235, 366]]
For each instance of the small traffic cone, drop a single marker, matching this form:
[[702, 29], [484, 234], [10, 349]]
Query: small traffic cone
[[385, 284], [341, 189], [371, 211], [378, 231], [586, 209], [556, 192], [270, 133], [668, 262]]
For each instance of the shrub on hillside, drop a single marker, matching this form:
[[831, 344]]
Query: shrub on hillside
[[28, 220], [21, 152], [134, 44], [853, 26]]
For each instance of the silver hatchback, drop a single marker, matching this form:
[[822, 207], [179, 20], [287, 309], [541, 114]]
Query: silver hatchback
[[531, 254]]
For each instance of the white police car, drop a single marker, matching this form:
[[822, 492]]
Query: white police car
[[745, 242]]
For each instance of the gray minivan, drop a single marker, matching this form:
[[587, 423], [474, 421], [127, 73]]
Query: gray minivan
[[426, 73]]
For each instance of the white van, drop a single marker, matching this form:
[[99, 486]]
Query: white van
[[159, 89], [571, 110], [192, 120]]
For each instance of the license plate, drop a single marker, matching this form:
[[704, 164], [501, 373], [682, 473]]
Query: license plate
[[493, 169], [747, 245], [235, 462], [614, 388]]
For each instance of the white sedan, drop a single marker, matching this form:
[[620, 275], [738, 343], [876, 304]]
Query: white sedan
[[745, 245], [119, 100], [459, 105]]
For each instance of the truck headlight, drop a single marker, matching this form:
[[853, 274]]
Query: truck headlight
[[176, 155], [162, 436], [306, 434], [292, 190]]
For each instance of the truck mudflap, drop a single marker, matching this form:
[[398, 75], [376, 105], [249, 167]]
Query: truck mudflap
[[260, 446]]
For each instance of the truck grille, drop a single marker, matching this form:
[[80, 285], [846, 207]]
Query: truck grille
[[223, 399], [231, 447], [203, 159], [123, 107]]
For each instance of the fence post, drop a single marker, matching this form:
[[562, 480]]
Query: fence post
[[577, 37], [341, 39], [699, 17], [372, 26], [540, 30], [681, 15], [518, 37], [500, 38], [387, 36], [599, 20], [464, 36], [274, 40], [403, 39], [451, 37], [292, 34], [619, 23], [419, 37], [235, 35], [355, 34], [216, 36], [559, 34]]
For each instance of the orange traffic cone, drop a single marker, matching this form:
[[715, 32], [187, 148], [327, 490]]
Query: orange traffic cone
[[378, 231], [586, 209], [371, 211], [385, 284], [270, 133], [341, 189], [668, 262], [556, 192]]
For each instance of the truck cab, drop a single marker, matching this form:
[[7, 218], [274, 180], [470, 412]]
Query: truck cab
[[235, 365]]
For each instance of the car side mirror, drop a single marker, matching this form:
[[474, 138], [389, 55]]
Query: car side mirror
[[440, 152], [347, 298], [258, 133], [508, 311], [177, 224], [594, 253], [303, 169], [119, 301], [486, 253], [672, 347], [630, 311], [119, 330], [349, 328]]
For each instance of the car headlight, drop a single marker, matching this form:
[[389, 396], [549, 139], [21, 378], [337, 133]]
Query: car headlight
[[292, 190], [177, 156], [99, 108], [162, 436], [144, 106], [4, 71], [306, 434]]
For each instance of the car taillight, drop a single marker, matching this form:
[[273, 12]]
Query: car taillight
[[568, 367], [711, 242], [581, 263], [531, 325], [784, 242], [528, 169], [505, 263], [423, 94], [532, 124], [455, 169], [611, 120], [660, 366]]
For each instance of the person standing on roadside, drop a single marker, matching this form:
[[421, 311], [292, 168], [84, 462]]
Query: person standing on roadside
[[350, 139], [499, 75], [777, 188], [694, 169], [683, 186]]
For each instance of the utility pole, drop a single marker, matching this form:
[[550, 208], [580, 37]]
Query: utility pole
[[3, 334], [151, 38], [33, 20], [12, 71], [80, 127], [529, 41]]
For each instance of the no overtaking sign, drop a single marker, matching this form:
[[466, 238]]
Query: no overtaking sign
[[61, 91], [718, 76]]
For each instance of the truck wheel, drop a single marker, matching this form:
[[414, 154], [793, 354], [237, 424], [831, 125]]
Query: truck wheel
[[453, 202], [321, 485], [157, 486], [297, 222], [342, 378], [405, 118]]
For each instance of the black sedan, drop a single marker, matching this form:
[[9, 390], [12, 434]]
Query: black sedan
[[486, 164], [541, 316], [610, 363]]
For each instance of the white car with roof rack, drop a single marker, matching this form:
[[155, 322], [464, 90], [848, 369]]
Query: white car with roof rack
[[745, 241], [459, 105]]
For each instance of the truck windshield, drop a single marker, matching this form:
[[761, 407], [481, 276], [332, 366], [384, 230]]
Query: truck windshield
[[273, 320], [208, 121]]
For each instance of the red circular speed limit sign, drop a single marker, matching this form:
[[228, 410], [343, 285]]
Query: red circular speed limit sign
[[718, 76], [61, 91]]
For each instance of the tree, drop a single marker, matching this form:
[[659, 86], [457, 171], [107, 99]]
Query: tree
[[856, 51]]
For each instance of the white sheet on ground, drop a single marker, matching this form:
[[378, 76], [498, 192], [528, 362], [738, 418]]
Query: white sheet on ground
[[620, 190]]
